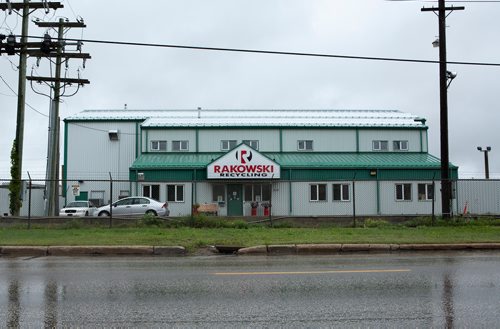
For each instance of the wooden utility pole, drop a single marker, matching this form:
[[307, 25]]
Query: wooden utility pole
[[25, 7], [443, 94], [52, 185]]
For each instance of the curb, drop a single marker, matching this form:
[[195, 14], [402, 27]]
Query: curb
[[262, 250], [35, 251], [332, 249]]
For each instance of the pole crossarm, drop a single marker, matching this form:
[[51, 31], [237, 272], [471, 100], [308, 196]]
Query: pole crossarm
[[63, 24], [32, 5], [452, 8], [38, 53], [63, 80]]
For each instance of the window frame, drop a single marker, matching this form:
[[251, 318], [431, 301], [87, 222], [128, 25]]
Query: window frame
[[176, 193], [428, 191], [180, 143], [305, 142], [151, 193], [397, 145], [343, 198], [318, 192], [380, 143], [249, 142], [158, 148], [404, 197], [229, 142]]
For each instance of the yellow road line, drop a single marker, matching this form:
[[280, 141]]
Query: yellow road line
[[311, 272]]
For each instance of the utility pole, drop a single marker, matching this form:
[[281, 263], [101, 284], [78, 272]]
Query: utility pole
[[57, 83], [443, 94], [25, 7]]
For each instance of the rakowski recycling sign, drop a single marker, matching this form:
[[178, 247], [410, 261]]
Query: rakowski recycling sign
[[243, 162]]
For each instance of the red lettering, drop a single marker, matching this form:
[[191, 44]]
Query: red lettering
[[216, 169]]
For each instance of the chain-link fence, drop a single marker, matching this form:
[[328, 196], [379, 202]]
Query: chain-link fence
[[354, 198]]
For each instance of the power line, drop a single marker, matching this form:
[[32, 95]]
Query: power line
[[31, 107], [273, 52]]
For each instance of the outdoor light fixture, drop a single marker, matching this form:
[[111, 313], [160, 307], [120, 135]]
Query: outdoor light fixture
[[486, 165], [113, 135], [450, 76], [435, 43]]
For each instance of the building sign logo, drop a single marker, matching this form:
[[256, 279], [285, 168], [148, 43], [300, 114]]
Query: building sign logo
[[243, 163], [244, 154]]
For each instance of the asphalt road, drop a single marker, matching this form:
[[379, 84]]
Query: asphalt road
[[453, 289]]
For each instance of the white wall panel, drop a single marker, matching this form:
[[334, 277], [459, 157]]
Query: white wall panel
[[325, 140]]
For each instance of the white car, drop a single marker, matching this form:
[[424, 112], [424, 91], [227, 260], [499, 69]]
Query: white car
[[78, 209], [135, 206]]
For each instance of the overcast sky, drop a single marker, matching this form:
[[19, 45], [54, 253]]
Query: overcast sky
[[165, 78]]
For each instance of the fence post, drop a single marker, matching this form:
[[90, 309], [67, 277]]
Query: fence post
[[110, 200], [29, 201], [354, 203], [433, 201]]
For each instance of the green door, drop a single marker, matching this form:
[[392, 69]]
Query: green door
[[84, 196], [234, 200]]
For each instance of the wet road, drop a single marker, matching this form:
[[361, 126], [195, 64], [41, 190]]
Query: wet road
[[398, 290]]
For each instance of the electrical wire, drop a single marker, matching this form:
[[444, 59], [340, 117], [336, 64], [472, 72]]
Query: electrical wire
[[275, 52], [31, 107]]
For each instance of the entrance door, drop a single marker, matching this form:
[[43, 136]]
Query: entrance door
[[234, 200]]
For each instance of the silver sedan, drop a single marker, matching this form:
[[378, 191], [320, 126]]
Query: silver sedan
[[133, 206]]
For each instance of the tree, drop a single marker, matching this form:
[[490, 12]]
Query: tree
[[15, 183]]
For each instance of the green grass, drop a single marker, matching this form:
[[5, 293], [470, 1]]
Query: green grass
[[192, 238]]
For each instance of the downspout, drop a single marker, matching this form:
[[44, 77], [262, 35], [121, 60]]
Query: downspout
[[357, 140]]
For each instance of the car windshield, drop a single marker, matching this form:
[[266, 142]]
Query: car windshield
[[77, 204]]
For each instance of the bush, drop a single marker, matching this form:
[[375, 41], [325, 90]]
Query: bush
[[419, 221], [73, 224], [202, 221], [151, 220], [371, 223]]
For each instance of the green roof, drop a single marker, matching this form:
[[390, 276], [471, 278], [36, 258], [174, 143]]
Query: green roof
[[296, 160]]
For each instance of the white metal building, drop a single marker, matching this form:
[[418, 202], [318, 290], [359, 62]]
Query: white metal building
[[303, 162]]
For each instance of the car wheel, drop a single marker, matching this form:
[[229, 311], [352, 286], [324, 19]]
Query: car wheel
[[151, 212], [103, 214]]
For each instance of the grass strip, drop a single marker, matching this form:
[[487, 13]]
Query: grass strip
[[193, 238]]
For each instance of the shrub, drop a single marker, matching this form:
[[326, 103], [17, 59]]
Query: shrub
[[371, 223], [151, 220]]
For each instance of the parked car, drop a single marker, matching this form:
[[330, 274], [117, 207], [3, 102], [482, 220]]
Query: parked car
[[133, 206], [78, 209]]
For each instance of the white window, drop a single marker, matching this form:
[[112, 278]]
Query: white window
[[123, 194], [226, 145], [180, 145], [159, 146], [252, 143], [151, 191], [400, 145], [425, 192], [317, 192], [340, 192], [380, 145], [305, 145], [403, 192], [175, 193]]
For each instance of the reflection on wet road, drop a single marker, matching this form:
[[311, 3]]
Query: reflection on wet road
[[399, 290]]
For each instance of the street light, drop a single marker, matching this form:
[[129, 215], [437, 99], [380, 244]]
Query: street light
[[486, 166]]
